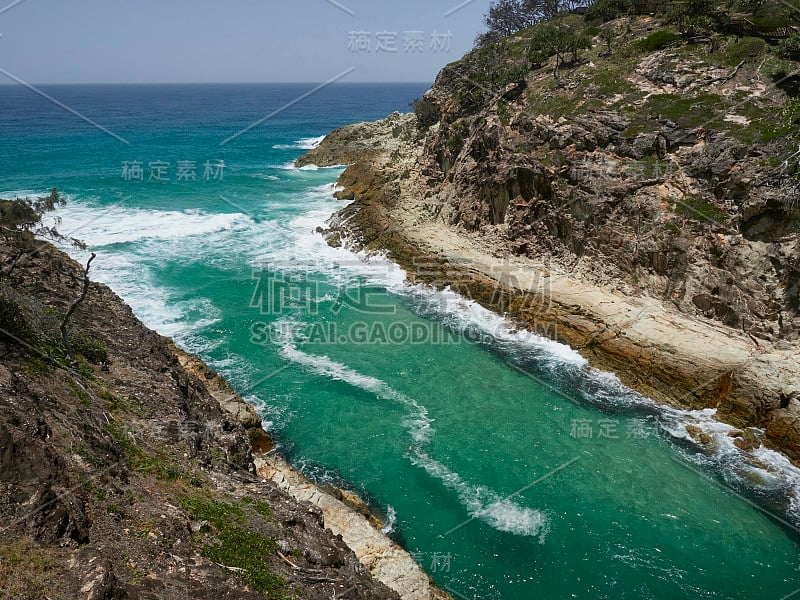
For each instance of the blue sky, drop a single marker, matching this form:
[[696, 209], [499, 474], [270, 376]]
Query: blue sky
[[151, 41]]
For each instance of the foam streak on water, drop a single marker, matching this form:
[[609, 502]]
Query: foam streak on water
[[417, 421], [482, 503]]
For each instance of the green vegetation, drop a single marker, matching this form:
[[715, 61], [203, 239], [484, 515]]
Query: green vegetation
[[560, 38], [608, 35], [506, 17], [122, 437], [91, 348], [156, 464], [96, 491], [455, 143], [457, 133], [689, 112], [554, 104], [78, 392], [116, 403], [14, 318], [490, 70], [698, 209], [504, 114], [768, 24], [743, 49], [790, 48], [234, 544], [606, 10], [159, 466], [261, 507], [650, 167], [694, 18], [217, 513], [660, 39], [428, 113], [27, 572], [26, 214]]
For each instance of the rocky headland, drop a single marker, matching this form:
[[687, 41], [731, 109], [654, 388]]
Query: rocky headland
[[640, 205]]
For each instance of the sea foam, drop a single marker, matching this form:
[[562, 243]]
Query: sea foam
[[301, 144], [417, 420], [502, 514]]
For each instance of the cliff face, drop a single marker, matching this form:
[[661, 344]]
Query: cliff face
[[658, 172], [128, 471], [644, 197]]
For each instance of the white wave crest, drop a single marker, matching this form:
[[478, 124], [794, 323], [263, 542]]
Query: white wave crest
[[391, 519], [301, 144], [291, 166], [100, 226], [482, 503], [417, 421]]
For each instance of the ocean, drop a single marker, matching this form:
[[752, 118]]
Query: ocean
[[500, 459]]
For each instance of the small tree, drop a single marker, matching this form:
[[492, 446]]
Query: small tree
[[73, 307], [692, 17], [556, 39], [24, 216], [608, 35], [506, 17]]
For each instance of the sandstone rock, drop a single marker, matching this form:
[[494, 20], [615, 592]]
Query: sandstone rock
[[700, 436], [745, 440]]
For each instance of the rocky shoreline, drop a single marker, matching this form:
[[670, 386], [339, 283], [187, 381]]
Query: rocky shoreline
[[129, 470], [657, 350], [344, 514]]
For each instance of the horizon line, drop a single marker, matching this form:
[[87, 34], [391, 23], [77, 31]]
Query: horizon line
[[13, 84]]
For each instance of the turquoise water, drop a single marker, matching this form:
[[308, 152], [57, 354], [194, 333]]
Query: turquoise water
[[501, 460]]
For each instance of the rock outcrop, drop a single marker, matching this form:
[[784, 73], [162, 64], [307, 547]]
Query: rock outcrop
[[641, 207]]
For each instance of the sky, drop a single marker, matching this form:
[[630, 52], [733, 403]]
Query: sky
[[200, 41]]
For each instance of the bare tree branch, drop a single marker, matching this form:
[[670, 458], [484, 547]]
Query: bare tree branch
[[73, 308]]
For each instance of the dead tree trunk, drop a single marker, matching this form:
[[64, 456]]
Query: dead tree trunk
[[81, 298]]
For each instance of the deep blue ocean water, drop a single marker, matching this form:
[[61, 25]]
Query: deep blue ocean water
[[501, 460]]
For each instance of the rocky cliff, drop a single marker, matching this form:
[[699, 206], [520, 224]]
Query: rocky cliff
[[127, 466], [640, 204]]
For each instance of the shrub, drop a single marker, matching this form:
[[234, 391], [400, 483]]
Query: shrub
[[692, 16], [743, 49], [14, 317], [240, 549], [90, 348], [608, 36], [660, 39], [428, 113], [768, 24], [790, 48], [502, 77]]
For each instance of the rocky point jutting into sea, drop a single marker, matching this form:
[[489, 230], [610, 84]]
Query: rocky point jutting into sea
[[639, 206]]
